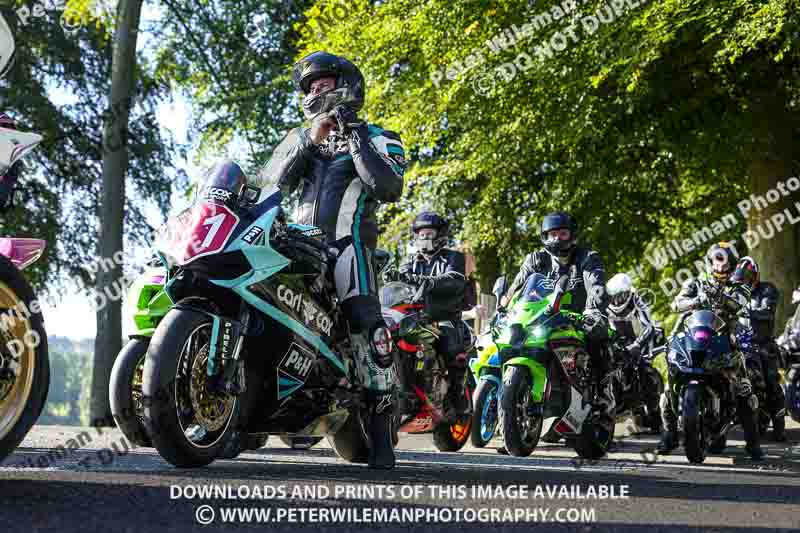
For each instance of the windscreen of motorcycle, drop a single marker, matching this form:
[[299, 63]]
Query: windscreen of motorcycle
[[206, 227], [705, 319], [537, 288], [396, 293]]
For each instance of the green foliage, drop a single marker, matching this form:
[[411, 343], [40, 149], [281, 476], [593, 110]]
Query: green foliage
[[645, 129], [70, 375], [58, 88]]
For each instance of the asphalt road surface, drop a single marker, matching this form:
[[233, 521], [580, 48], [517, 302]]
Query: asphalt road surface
[[93, 484]]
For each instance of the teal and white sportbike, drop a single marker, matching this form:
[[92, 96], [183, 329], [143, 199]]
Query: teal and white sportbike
[[254, 342]]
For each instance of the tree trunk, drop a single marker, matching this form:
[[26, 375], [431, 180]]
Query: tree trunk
[[771, 235], [109, 286]]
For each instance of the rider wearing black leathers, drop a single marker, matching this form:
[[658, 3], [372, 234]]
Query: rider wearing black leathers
[[629, 316], [344, 167], [763, 304], [444, 273], [717, 293], [562, 255], [9, 178]]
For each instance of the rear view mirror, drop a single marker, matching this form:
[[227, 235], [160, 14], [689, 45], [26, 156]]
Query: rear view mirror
[[500, 287]]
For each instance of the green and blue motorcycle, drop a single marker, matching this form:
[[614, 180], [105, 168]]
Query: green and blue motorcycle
[[534, 345]]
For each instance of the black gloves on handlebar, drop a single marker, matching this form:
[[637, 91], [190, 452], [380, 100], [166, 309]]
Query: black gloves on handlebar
[[595, 325]]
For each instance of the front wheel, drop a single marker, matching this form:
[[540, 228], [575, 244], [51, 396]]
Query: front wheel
[[693, 429], [189, 425], [125, 391], [484, 416], [521, 428], [24, 363]]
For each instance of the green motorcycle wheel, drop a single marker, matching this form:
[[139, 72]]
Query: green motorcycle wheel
[[521, 431]]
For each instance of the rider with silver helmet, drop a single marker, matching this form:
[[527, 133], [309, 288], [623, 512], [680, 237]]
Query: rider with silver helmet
[[714, 291], [562, 255], [444, 272], [629, 316], [344, 168]]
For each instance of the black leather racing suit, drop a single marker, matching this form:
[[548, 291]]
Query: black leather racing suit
[[445, 272], [588, 290], [702, 294], [767, 356], [341, 182], [7, 182]]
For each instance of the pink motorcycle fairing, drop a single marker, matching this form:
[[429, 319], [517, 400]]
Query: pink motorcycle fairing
[[22, 252]]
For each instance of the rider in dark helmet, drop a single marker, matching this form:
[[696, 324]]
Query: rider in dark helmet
[[344, 168], [559, 235], [444, 272], [764, 298], [716, 292]]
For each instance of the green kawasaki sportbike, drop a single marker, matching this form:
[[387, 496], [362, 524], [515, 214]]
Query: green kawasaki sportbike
[[541, 345], [148, 303]]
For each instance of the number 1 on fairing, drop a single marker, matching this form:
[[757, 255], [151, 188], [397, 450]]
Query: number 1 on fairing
[[216, 223]]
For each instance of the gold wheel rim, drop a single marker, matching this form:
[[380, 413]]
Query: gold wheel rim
[[13, 329]]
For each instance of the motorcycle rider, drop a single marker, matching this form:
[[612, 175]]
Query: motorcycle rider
[[444, 273], [344, 167], [629, 316], [710, 293], [561, 253], [762, 307], [9, 178]]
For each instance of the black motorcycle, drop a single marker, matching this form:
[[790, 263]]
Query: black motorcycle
[[789, 344], [703, 366]]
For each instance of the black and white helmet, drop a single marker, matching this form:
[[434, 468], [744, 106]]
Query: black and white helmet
[[620, 294], [558, 221], [349, 88]]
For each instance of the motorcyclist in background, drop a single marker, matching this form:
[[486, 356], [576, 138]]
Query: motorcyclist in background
[[763, 304], [443, 271], [344, 168], [559, 235], [629, 316], [8, 177], [717, 293]]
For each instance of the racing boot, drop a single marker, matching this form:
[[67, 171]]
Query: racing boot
[[380, 430], [669, 421]]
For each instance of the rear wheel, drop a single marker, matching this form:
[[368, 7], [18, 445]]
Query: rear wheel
[[484, 416], [300, 443], [350, 442], [452, 437], [594, 439], [189, 426], [719, 444], [125, 391], [521, 430], [693, 429], [24, 363]]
